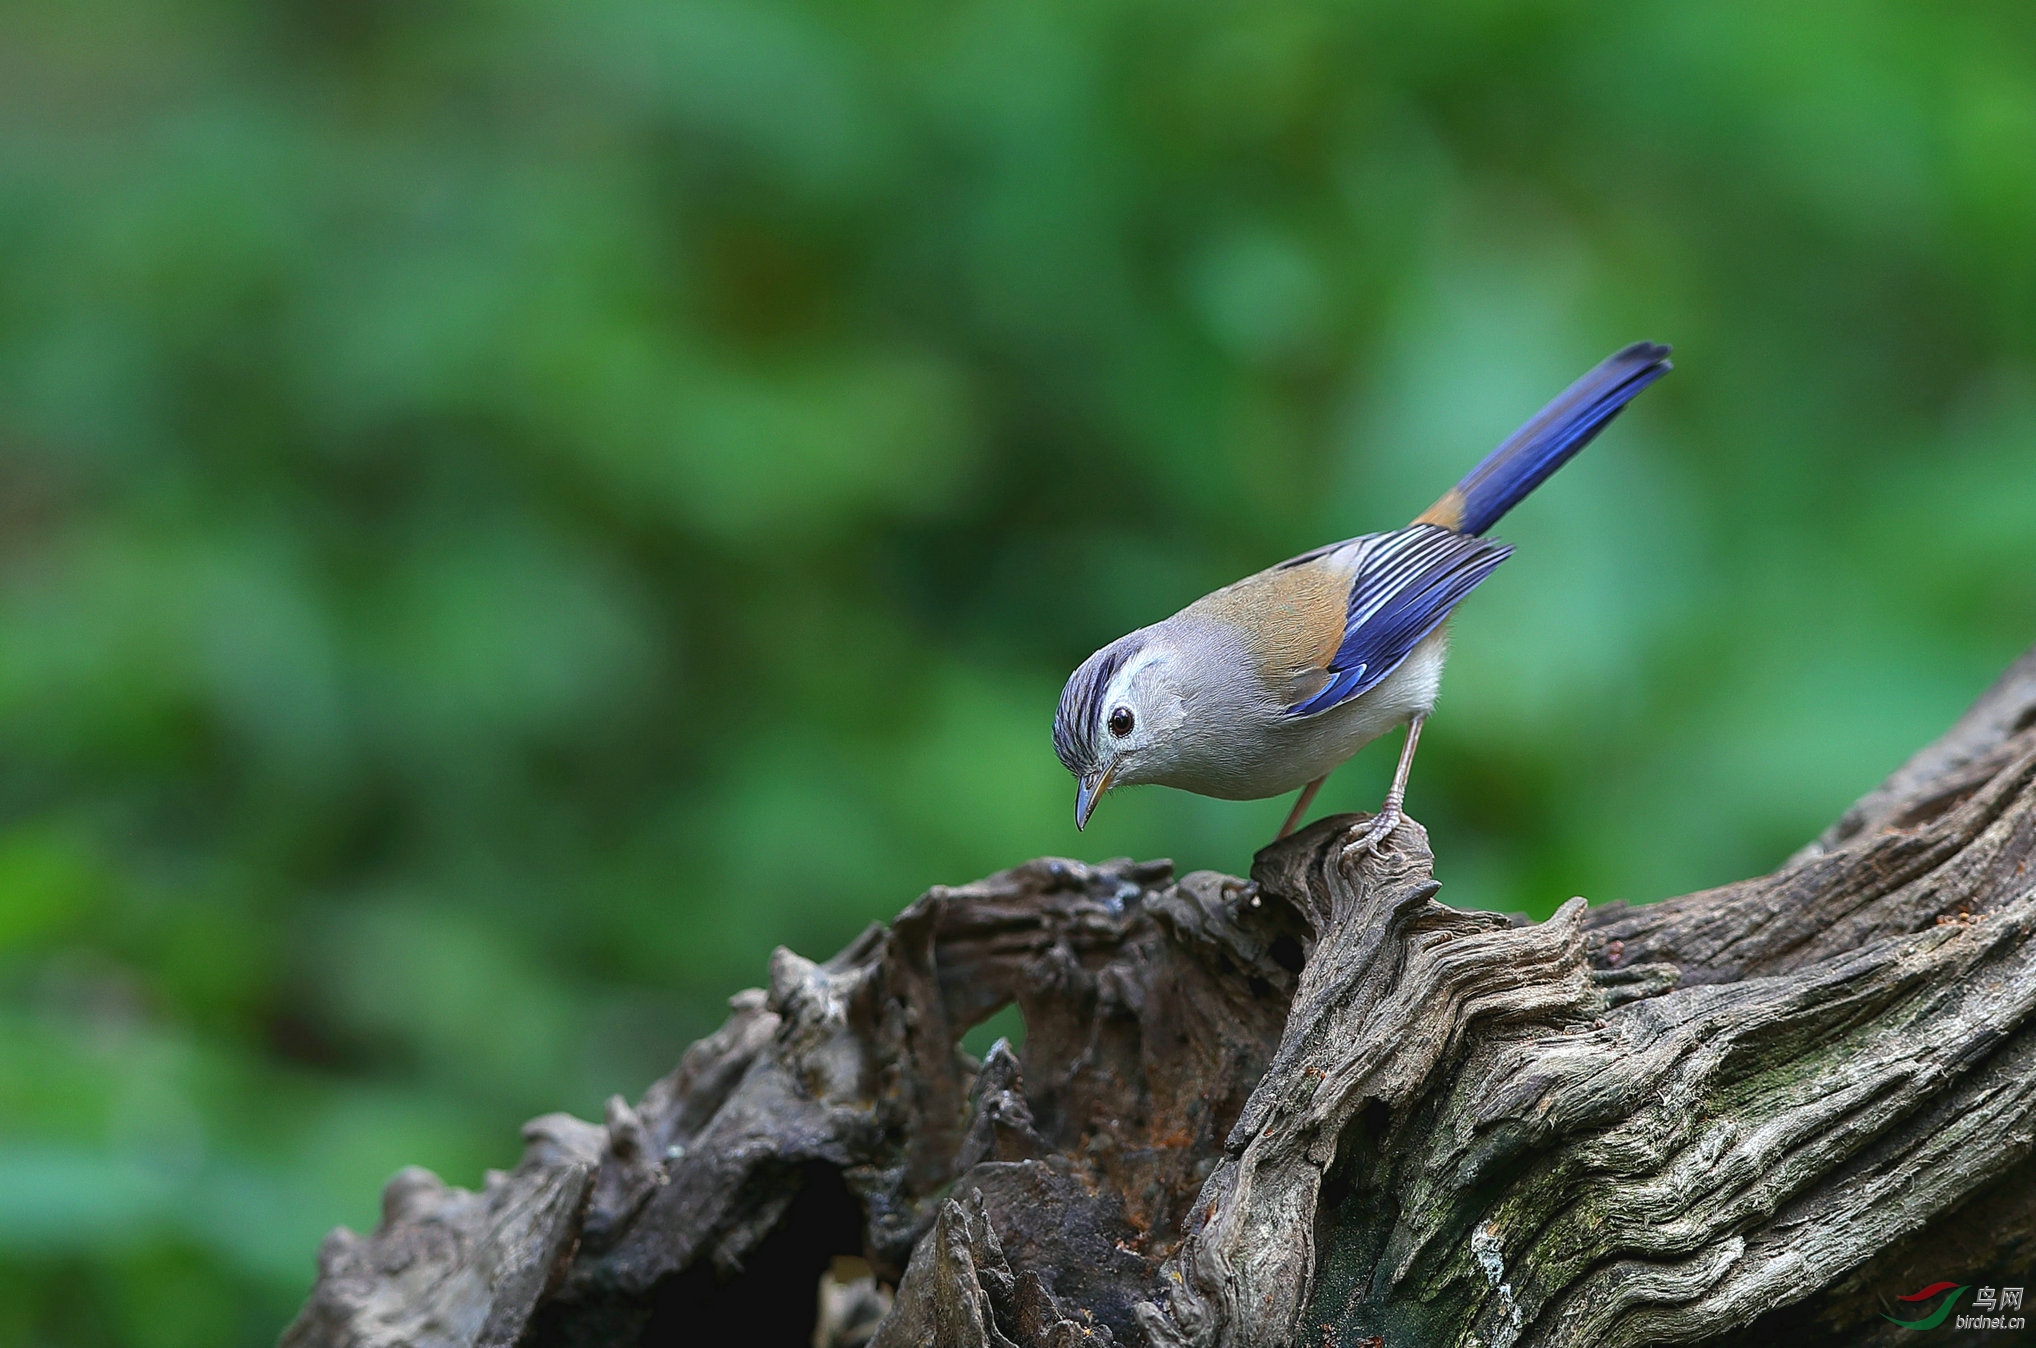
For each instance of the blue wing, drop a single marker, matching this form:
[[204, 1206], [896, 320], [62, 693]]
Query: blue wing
[[1406, 585]]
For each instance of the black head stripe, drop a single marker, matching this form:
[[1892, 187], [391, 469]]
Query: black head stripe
[[1078, 726]]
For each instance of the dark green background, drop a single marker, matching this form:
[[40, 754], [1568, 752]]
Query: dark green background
[[508, 512]]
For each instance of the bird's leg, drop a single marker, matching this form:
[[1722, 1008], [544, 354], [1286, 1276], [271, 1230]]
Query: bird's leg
[[1300, 807], [1388, 817]]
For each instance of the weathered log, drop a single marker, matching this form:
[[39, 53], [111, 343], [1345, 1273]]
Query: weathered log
[[1316, 1108]]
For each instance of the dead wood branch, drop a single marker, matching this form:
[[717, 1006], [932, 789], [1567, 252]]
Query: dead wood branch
[[1316, 1108]]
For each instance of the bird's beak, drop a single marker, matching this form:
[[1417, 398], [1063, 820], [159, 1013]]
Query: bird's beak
[[1091, 789]]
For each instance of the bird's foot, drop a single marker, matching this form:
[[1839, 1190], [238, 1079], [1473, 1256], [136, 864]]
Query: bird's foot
[[1376, 832]]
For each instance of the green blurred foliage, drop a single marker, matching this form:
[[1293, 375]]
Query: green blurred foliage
[[511, 511]]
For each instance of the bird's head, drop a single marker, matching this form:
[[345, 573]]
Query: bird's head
[[1118, 717]]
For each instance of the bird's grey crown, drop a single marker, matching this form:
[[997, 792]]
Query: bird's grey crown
[[1078, 725]]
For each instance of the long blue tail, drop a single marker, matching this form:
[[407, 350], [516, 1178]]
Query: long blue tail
[[1546, 443]]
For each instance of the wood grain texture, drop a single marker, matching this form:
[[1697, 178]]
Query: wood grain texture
[[1313, 1108]]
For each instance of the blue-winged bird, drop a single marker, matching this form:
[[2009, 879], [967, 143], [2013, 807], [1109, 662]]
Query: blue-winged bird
[[1268, 684]]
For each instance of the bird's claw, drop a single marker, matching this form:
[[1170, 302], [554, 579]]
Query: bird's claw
[[1376, 832]]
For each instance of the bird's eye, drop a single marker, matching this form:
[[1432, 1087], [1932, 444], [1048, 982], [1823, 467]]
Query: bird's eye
[[1121, 721]]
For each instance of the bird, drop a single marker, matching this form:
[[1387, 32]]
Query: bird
[[1270, 683]]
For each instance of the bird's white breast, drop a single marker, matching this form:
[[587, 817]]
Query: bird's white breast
[[1246, 748]]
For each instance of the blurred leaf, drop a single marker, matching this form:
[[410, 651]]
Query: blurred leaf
[[49, 878]]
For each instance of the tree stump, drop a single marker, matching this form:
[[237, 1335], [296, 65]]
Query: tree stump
[[1314, 1108]]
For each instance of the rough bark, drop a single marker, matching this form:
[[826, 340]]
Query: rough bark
[[1315, 1108]]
